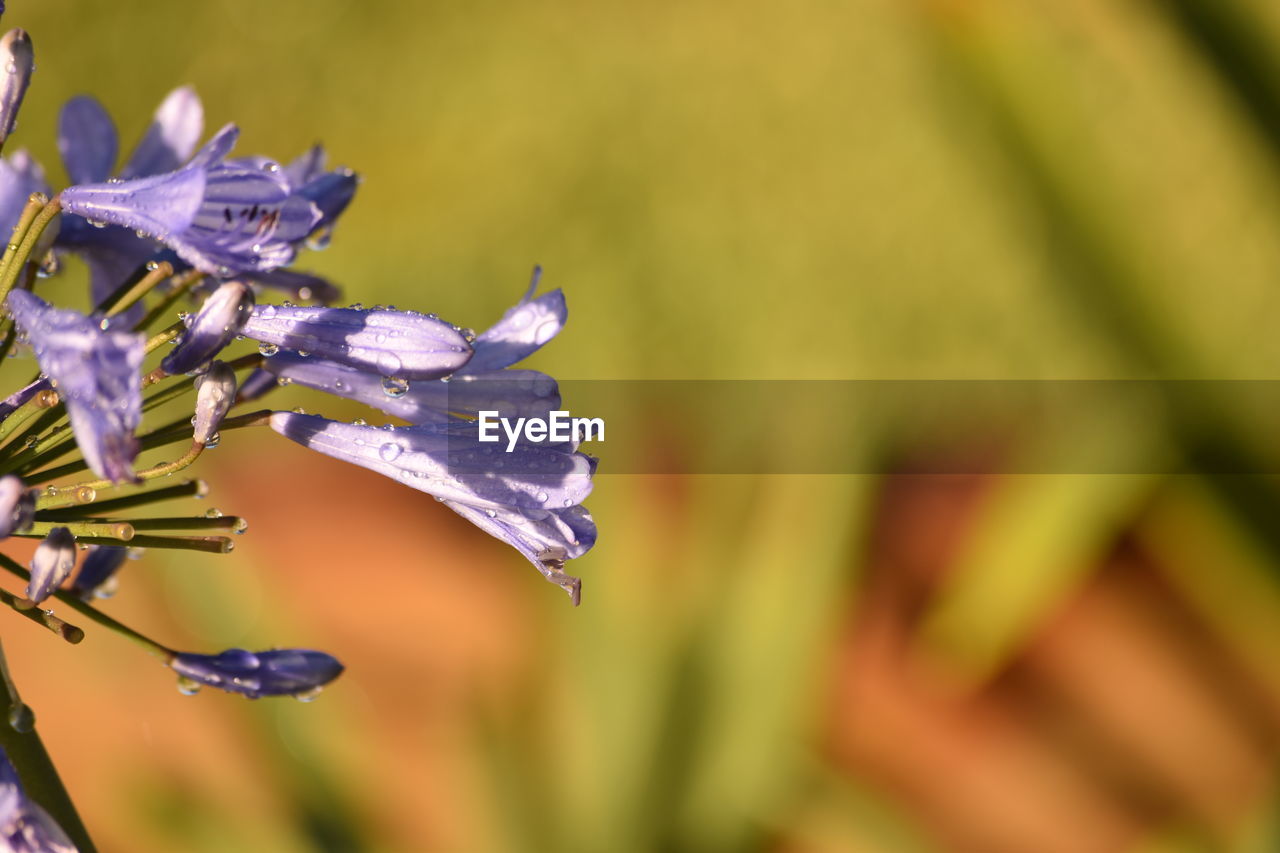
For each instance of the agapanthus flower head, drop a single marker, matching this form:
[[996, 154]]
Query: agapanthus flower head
[[277, 672], [52, 563], [95, 371], [25, 827]]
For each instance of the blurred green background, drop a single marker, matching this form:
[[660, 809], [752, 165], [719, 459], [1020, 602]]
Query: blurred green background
[[870, 189]]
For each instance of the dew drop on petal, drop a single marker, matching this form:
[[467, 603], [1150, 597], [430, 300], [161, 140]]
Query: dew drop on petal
[[188, 686], [389, 451], [268, 349], [394, 386]]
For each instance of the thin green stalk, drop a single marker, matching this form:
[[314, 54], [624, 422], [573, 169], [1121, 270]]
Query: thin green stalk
[[181, 285], [39, 402], [120, 531], [35, 768], [14, 263], [92, 613], [206, 544], [28, 609], [191, 488], [119, 302]]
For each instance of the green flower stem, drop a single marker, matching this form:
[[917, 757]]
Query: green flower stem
[[55, 512], [92, 613], [206, 544], [192, 522], [119, 531], [11, 265], [119, 302], [35, 203], [28, 609], [181, 285], [54, 498], [39, 777], [41, 401], [170, 333]]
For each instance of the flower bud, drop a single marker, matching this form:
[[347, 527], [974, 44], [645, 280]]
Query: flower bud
[[215, 392], [278, 672], [400, 344], [99, 566], [217, 322], [19, 61], [52, 564]]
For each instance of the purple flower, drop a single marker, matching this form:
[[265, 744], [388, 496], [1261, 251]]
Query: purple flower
[[399, 344], [95, 371], [17, 61], [278, 672], [214, 326], [17, 505], [98, 569], [528, 497], [222, 216], [52, 563], [88, 143], [483, 383], [25, 827]]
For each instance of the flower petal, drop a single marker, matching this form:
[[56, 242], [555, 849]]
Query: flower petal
[[278, 672], [401, 344], [175, 129], [160, 205], [215, 392], [298, 285], [20, 176], [86, 140], [449, 462], [512, 393], [25, 827], [521, 332], [96, 373], [546, 541], [17, 505]]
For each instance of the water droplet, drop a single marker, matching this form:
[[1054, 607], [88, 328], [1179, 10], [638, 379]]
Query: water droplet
[[308, 695], [268, 349], [359, 422], [240, 527], [546, 331], [188, 686], [213, 512], [389, 451], [542, 497], [21, 717], [395, 387], [389, 363], [152, 266]]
